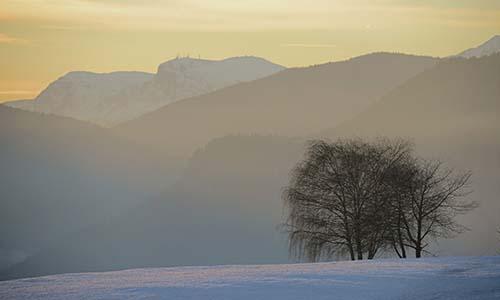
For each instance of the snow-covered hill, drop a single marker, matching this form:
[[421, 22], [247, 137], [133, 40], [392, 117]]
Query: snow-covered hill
[[489, 47], [186, 77], [111, 98], [84, 95], [431, 278]]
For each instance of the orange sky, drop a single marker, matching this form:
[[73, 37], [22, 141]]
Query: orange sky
[[41, 40]]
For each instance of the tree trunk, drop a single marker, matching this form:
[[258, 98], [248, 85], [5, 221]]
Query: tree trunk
[[351, 252], [349, 239], [351, 249], [418, 246], [403, 251], [395, 246], [418, 251], [400, 233], [401, 243], [357, 239], [359, 249]]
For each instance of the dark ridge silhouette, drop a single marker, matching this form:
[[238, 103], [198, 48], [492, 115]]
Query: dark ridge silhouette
[[293, 102]]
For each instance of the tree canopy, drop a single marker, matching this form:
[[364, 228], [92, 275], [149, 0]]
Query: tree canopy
[[359, 197]]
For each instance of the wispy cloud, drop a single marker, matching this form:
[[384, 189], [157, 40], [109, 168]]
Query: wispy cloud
[[224, 15], [305, 45]]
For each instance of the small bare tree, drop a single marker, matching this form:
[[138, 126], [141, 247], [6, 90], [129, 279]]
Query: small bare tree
[[431, 199]]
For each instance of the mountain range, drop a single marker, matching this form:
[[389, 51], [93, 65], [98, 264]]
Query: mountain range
[[111, 98], [294, 102], [198, 181]]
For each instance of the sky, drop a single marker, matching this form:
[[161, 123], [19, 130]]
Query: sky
[[41, 40]]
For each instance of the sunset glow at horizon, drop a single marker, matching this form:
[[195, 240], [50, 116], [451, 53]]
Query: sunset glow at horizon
[[41, 40]]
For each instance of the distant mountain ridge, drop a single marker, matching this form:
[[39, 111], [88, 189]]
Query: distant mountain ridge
[[489, 47], [111, 98], [84, 95], [294, 102]]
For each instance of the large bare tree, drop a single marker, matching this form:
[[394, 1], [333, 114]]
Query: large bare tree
[[357, 197], [337, 198]]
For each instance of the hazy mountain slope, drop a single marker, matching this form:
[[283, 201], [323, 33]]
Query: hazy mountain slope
[[59, 175], [489, 47], [225, 209], [451, 112], [456, 94], [24, 104], [108, 99], [292, 102]]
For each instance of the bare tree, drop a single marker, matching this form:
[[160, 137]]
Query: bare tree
[[399, 192], [356, 197], [434, 196], [338, 200]]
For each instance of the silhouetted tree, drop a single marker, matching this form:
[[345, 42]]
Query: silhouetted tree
[[358, 197], [431, 196], [338, 198], [399, 193]]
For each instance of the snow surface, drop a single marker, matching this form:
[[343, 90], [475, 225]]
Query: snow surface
[[429, 278]]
